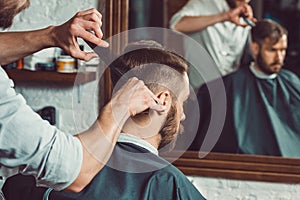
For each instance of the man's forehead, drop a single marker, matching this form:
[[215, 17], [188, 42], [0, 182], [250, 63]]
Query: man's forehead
[[270, 43]]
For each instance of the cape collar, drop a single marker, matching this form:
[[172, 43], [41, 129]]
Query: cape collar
[[126, 137]]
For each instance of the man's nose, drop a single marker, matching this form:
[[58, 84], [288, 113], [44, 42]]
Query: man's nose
[[280, 56]]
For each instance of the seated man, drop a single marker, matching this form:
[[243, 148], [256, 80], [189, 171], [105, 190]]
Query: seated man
[[135, 171], [263, 101]]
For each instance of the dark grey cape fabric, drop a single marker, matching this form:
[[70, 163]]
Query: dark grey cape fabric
[[164, 183]]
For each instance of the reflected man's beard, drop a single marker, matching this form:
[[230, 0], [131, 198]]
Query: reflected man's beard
[[264, 66], [7, 13]]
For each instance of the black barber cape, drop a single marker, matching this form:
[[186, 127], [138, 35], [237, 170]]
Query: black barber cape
[[166, 183], [262, 116]]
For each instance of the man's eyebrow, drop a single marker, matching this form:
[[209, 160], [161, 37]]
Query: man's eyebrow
[[281, 48]]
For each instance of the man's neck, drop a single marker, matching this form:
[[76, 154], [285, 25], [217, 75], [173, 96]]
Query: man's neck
[[154, 140], [147, 130]]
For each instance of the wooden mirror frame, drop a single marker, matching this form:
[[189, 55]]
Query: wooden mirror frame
[[220, 165]]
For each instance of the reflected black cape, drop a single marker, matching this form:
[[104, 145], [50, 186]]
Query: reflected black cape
[[262, 117]]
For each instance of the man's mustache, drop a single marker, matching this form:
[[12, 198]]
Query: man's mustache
[[277, 63]]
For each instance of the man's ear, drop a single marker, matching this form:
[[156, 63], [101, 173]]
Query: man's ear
[[255, 48], [165, 99]]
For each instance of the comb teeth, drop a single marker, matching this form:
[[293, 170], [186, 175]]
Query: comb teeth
[[249, 22], [106, 55]]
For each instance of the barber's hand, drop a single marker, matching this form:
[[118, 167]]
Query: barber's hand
[[65, 35], [243, 10], [136, 97]]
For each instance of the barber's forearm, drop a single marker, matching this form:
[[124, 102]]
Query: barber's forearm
[[98, 143], [190, 24], [112, 118], [99, 140], [16, 45]]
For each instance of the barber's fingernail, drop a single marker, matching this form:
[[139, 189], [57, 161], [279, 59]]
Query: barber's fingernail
[[104, 44], [160, 108]]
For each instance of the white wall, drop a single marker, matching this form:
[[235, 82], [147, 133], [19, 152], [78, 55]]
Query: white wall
[[51, 12], [41, 14], [225, 189], [44, 13]]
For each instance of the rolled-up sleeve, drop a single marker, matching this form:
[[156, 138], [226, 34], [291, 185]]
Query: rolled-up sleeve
[[32, 144], [192, 8]]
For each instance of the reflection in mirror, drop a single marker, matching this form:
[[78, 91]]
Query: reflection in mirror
[[260, 110], [221, 165], [141, 14], [287, 13], [262, 100]]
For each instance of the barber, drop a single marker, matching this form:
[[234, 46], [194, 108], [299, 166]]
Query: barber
[[56, 159]]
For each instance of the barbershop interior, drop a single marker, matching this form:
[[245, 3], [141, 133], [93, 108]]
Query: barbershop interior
[[238, 133]]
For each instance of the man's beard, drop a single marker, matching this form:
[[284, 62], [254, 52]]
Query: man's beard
[[7, 13], [265, 67], [171, 129]]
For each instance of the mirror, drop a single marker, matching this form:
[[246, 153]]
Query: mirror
[[233, 166]]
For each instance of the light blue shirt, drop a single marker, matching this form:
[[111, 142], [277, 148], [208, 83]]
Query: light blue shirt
[[32, 145]]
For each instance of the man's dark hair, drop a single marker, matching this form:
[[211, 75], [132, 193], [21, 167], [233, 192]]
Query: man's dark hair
[[154, 62], [267, 29], [145, 56]]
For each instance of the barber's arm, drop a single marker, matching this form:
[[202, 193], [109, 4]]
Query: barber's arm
[[16, 45], [189, 24], [98, 142], [58, 160]]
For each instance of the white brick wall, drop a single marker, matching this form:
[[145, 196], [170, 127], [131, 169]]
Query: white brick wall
[[72, 117], [225, 189], [44, 13], [51, 12], [41, 14]]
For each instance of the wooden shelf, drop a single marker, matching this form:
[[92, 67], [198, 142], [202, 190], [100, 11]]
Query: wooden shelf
[[49, 76]]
